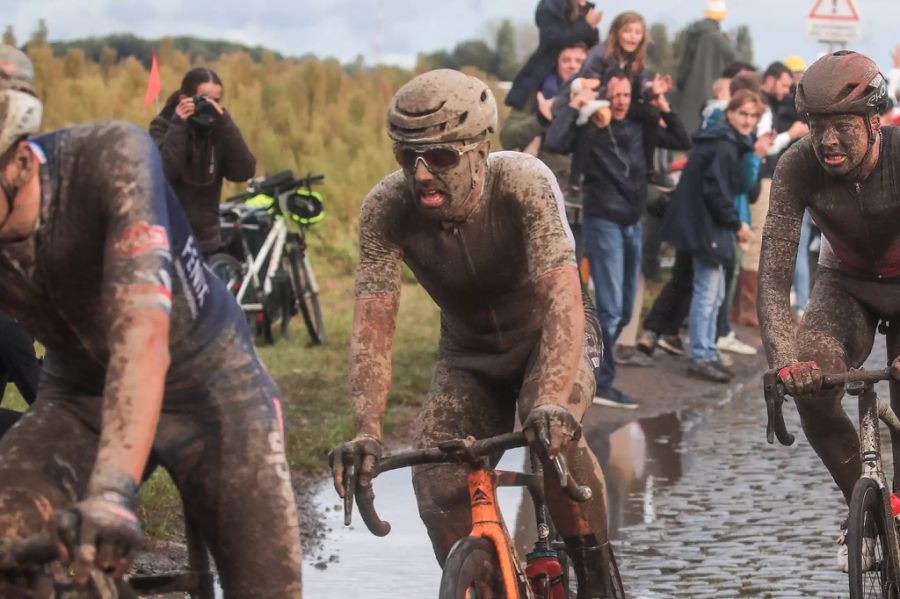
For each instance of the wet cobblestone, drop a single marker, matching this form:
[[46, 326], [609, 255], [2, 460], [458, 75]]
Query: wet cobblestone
[[743, 519]]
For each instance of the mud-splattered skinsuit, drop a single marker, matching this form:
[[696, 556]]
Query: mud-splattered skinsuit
[[857, 284], [483, 275], [111, 236]]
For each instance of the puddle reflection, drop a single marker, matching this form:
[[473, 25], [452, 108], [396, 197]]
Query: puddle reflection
[[640, 460]]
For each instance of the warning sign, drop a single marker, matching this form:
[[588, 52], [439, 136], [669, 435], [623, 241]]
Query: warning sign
[[835, 21]]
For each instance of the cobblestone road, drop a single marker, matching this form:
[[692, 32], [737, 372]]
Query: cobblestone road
[[723, 514]]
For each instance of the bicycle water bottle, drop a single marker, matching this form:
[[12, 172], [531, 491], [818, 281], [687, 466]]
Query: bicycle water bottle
[[895, 508], [545, 574]]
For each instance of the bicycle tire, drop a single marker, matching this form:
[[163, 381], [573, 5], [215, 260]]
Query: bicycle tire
[[869, 514], [472, 564], [306, 294]]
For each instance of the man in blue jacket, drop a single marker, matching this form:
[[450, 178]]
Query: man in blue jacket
[[610, 155]]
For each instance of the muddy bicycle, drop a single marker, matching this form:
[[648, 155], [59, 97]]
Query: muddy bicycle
[[486, 564], [29, 569], [874, 555]]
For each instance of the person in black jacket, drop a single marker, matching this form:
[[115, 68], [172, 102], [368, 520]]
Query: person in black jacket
[[610, 156], [562, 24], [200, 145], [18, 365], [702, 221]]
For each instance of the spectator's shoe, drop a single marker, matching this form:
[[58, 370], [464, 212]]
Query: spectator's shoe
[[726, 360], [647, 343], [613, 398], [671, 344], [628, 356], [722, 367], [868, 552], [704, 369], [734, 345]]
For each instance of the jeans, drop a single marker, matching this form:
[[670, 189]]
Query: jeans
[[614, 254], [801, 272], [709, 292]]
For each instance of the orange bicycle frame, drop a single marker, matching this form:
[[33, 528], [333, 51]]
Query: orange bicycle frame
[[487, 523]]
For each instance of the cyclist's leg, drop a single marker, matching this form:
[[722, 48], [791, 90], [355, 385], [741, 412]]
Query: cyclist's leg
[[45, 463], [837, 332], [893, 350], [223, 445], [460, 403], [583, 526]]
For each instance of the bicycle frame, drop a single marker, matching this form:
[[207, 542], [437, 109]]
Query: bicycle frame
[[870, 445], [270, 252]]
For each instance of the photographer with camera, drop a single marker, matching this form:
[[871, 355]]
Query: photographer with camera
[[200, 145]]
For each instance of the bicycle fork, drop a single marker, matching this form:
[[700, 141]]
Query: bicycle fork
[[870, 453]]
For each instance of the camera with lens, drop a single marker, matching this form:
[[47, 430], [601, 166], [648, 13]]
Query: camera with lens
[[204, 111]]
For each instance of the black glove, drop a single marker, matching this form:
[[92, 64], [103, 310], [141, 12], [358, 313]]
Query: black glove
[[355, 463], [102, 531], [551, 427]]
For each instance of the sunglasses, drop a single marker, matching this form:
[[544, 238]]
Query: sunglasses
[[437, 159]]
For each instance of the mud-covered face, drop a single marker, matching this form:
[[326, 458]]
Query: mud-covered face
[[841, 141], [442, 192]]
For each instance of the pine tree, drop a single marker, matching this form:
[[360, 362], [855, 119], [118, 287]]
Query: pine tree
[[506, 64], [9, 36], [744, 44]]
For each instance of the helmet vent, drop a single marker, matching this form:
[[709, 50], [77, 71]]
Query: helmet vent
[[463, 117], [484, 96], [848, 89], [426, 112]]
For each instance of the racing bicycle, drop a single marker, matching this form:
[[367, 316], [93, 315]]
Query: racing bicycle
[[874, 556], [485, 564], [263, 259]]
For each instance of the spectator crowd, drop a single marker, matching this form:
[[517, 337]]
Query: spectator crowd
[[655, 166]]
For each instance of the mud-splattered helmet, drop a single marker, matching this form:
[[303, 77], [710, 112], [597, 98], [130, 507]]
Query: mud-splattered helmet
[[20, 108], [844, 82], [442, 106]]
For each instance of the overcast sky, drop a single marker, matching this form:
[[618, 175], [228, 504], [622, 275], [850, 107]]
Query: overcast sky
[[347, 28]]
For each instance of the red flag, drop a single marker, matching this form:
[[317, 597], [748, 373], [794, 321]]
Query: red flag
[[153, 83]]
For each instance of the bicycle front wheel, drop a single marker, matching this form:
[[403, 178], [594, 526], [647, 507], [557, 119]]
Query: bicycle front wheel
[[472, 571], [306, 292], [872, 560]]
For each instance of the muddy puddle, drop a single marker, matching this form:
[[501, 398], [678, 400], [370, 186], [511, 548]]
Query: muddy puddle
[[640, 459]]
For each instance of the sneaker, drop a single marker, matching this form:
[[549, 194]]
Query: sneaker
[[647, 343], [843, 554], [672, 344], [704, 369], [734, 345], [723, 364], [629, 356], [614, 398]]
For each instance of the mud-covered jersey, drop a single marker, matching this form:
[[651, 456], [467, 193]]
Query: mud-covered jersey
[[860, 222], [480, 272], [111, 237]]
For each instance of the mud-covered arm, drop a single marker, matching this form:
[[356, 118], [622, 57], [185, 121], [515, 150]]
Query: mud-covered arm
[[136, 300], [377, 297], [551, 263], [781, 236]]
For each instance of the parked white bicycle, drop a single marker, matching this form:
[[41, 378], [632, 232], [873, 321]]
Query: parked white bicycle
[[263, 258]]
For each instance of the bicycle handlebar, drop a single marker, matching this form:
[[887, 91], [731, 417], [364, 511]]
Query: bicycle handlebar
[[774, 392], [275, 185], [459, 451]]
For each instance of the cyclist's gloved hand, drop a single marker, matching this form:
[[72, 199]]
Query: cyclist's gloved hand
[[801, 378], [356, 460], [101, 531], [551, 427]]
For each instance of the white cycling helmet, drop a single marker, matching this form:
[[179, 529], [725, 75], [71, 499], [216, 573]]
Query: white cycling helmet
[[20, 108]]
